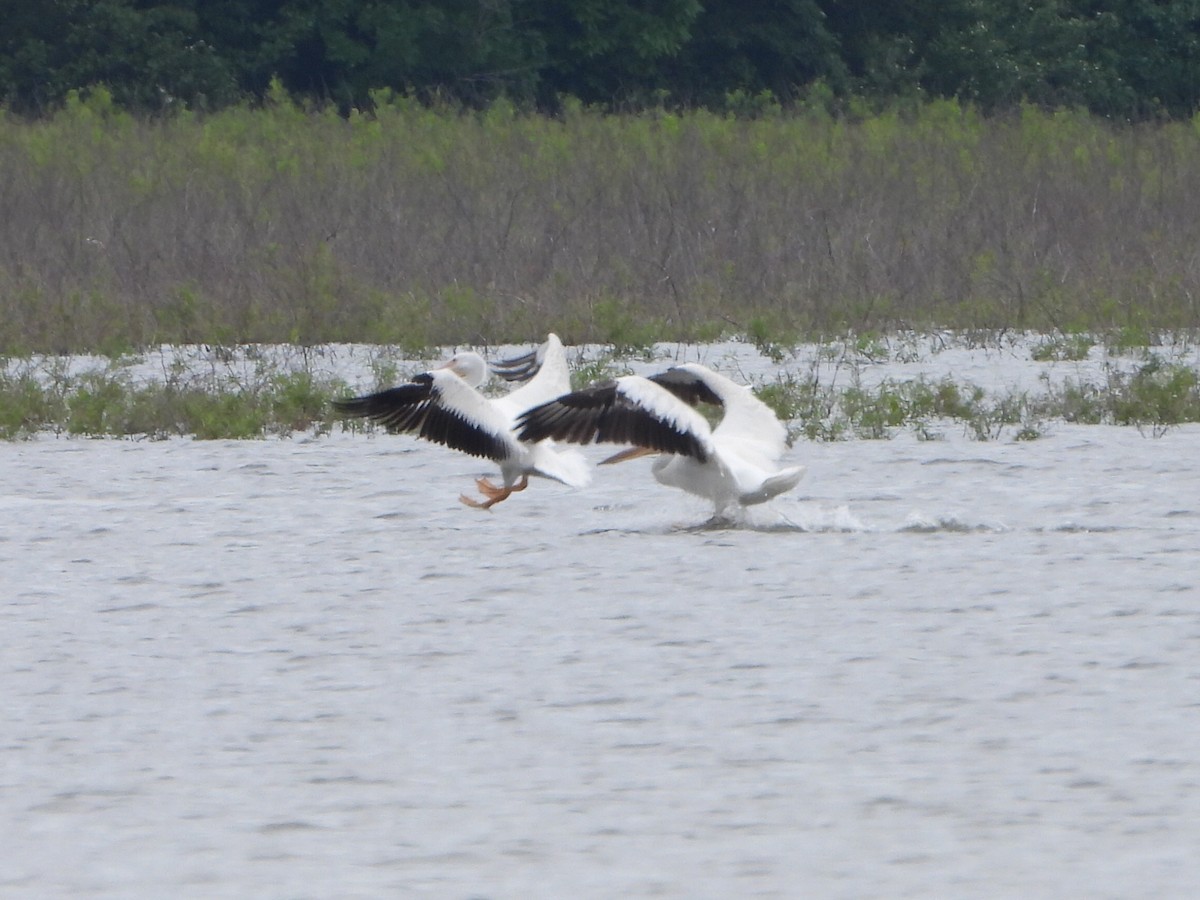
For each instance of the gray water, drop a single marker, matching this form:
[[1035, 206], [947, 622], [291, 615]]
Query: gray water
[[302, 669]]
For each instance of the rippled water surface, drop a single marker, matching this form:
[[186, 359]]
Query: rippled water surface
[[301, 669]]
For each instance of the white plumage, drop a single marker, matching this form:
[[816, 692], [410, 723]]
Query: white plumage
[[734, 464], [444, 406]]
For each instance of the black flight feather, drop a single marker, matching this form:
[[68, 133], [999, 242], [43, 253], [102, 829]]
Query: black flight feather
[[414, 409], [603, 414], [517, 368]]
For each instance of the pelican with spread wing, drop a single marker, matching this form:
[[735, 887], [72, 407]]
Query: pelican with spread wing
[[445, 406], [733, 464]]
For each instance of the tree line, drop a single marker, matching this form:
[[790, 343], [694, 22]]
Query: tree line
[[1124, 59]]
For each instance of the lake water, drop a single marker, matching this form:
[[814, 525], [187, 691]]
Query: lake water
[[301, 668]]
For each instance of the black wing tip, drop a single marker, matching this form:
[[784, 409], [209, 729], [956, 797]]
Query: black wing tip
[[533, 424], [517, 368], [411, 409], [695, 449], [575, 418], [599, 414], [350, 406], [392, 406], [686, 384]]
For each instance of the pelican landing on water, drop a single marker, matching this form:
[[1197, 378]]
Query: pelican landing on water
[[734, 464], [444, 405]]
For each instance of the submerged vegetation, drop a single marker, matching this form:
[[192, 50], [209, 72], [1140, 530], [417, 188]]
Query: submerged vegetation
[[109, 402], [248, 392], [1155, 396]]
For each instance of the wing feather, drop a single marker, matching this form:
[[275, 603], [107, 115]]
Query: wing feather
[[748, 426], [686, 383], [440, 407], [631, 410], [517, 368], [550, 379]]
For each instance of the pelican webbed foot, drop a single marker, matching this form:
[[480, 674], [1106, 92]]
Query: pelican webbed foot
[[488, 489], [493, 492]]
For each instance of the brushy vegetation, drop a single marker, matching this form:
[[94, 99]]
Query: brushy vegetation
[[830, 400], [1154, 395], [417, 227], [420, 227], [48, 397]]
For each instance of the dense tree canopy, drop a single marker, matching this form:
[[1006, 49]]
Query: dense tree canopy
[[1121, 58]]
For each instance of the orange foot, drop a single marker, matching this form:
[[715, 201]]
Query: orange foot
[[493, 493]]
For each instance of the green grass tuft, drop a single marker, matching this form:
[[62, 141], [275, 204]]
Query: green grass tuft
[[1063, 348], [237, 392]]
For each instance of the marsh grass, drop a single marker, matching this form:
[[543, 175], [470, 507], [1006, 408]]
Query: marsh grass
[[926, 407], [1155, 396], [605, 366], [425, 227], [1063, 348], [226, 391], [48, 397], [830, 401]]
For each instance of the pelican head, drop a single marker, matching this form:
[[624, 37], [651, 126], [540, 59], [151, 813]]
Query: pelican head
[[468, 366]]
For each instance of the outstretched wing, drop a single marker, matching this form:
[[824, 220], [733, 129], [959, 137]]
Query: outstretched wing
[[440, 407], [517, 368], [631, 410], [688, 386], [551, 379]]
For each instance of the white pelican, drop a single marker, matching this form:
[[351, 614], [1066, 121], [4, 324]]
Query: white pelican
[[443, 405], [734, 464]]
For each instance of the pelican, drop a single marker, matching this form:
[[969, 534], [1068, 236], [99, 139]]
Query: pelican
[[734, 464], [443, 405]]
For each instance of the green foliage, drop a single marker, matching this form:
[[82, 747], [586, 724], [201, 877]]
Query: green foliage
[[180, 316], [296, 401], [107, 402], [1159, 394], [1062, 53], [1128, 59], [875, 413], [616, 325], [427, 225], [387, 371], [604, 367], [803, 401], [1062, 348], [1129, 338], [1082, 403], [236, 415], [27, 405], [869, 346], [100, 404], [241, 393], [772, 339], [601, 50], [151, 58]]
